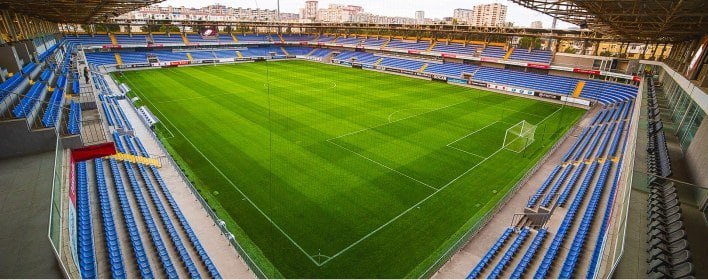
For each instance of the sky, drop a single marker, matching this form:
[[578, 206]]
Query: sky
[[433, 8]]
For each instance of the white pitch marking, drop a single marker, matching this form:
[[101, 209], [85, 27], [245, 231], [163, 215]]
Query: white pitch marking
[[408, 109], [387, 123], [384, 166], [193, 98], [471, 133], [461, 150]]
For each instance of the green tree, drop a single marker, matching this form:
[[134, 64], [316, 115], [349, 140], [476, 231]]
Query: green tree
[[570, 49], [150, 28], [526, 42], [170, 28], [606, 53]]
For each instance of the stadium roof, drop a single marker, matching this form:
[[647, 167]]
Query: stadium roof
[[631, 20], [74, 11]]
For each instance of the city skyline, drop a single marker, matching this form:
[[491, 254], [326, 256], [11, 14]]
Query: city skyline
[[394, 8]]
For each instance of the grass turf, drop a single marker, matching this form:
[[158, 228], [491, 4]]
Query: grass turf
[[326, 171]]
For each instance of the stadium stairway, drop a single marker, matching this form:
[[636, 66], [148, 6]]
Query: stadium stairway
[[119, 60], [114, 41], [430, 48], [282, 48], [311, 52], [578, 89], [508, 53], [137, 159], [184, 39]]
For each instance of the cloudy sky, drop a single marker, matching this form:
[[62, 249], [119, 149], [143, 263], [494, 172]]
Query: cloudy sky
[[433, 8]]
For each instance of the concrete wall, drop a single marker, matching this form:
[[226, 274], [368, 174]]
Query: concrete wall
[[17, 140], [574, 61], [23, 53], [568, 74], [9, 59], [697, 159], [493, 65]]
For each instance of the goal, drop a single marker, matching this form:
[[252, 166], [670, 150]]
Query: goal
[[519, 136]]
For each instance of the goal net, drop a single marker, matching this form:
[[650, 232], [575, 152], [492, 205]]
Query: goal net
[[519, 136]]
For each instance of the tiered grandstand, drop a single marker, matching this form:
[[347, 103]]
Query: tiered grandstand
[[613, 187]]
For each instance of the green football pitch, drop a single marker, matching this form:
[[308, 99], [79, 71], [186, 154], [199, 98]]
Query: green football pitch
[[326, 171]]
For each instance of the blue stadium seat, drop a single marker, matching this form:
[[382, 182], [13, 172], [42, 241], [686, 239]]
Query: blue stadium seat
[[139, 251], [455, 48], [29, 101], [134, 39], [74, 124], [556, 186], [162, 213], [154, 233], [493, 52], [586, 182], [604, 224], [490, 254], [112, 243], [86, 251], [214, 273], [510, 253], [532, 201], [582, 232], [529, 255], [51, 114], [538, 56], [408, 45]]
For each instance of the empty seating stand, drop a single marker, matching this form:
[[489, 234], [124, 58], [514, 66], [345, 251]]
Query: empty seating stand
[[487, 257], [493, 52], [510, 253], [87, 261], [112, 242], [538, 56], [669, 254], [74, 124], [141, 258], [658, 160], [134, 39], [455, 48], [408, 45], [530, 254]]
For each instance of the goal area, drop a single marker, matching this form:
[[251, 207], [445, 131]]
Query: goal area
[[519, 136]]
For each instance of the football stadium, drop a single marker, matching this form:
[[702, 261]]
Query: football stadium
[[143, 139]]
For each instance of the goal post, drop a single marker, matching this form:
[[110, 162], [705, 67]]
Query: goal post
[[519, 136]]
